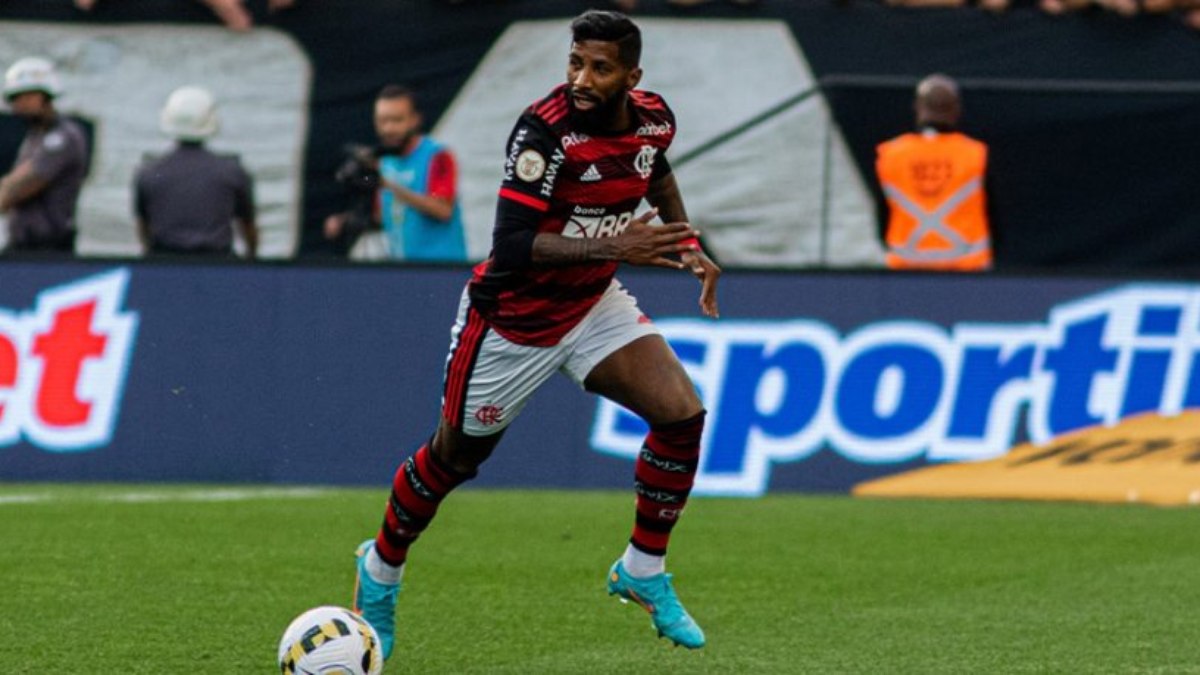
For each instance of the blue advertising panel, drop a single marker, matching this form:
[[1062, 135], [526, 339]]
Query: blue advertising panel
[[332, 375]]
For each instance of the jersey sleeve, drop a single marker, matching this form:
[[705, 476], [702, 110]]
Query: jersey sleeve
[[532, 164], [661, 169], [443, 176]]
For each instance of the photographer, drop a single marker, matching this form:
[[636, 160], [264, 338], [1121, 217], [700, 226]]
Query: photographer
[[403, 193]]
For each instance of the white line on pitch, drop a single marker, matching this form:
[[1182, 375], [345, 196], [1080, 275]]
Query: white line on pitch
[[150, 496], [23, 499]]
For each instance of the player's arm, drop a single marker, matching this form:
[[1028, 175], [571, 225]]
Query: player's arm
[[439, 202], [640, 244], [22, 183], [534, 159], [664, 195], [663, 192]]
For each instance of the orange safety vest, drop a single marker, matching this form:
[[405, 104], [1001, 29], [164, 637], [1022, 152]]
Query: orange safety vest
[[937, 210]]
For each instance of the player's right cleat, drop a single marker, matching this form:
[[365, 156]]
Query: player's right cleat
[[656, 596], [375, 602]]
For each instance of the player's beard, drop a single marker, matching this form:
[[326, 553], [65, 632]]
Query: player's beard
[[601, 117]]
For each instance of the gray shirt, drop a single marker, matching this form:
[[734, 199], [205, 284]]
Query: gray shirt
[[189, 198], [60, 157]]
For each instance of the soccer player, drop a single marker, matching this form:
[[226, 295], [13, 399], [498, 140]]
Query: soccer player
[[579, 163]]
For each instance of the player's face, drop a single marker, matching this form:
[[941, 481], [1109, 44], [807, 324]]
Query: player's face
[[396, 121], [598, 79]]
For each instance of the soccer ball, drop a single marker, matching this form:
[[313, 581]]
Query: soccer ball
[[330, 641]]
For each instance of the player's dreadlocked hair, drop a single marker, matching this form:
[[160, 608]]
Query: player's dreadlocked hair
[[607, 26]]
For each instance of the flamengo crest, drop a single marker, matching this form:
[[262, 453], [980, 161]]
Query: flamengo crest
[[644, 162]]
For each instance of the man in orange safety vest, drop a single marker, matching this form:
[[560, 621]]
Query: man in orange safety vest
[[933, 183]]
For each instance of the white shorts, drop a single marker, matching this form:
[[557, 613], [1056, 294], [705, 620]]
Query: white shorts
[[489, 379]]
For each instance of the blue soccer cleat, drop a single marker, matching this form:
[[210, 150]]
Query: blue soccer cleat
[[375, 602], [656, 596]]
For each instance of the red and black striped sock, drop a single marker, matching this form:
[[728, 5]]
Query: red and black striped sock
[[663, 477], [418, 488]]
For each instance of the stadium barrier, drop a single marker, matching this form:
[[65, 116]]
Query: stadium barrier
[[819, 382], [1086, 115]]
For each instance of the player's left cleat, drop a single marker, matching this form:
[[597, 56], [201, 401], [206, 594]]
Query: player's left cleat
[[375, 602], [656, 596]]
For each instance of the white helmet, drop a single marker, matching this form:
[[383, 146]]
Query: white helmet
[[189, 115], [31, 74]]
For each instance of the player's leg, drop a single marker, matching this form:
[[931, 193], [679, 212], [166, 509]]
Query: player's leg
[[623, 358], [488, 381], [645, 377], [420, 484]]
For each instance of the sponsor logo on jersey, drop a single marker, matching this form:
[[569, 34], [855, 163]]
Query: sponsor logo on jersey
[[556, 161], [575, 138], [593, 227], [651, 129], [897, 391], [510, 163], [63, 364], [591, 175], [644, 162]]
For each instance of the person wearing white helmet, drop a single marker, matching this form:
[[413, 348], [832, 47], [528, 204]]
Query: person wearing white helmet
[[188, 200], [40, 193]]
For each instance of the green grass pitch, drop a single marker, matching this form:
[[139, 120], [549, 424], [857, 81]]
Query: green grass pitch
[[154, 579]]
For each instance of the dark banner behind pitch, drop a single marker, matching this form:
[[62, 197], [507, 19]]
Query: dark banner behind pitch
[[150, 372], [1083, 176]]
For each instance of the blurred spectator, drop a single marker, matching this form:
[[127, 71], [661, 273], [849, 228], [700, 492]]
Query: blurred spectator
[[933, 181], [1122, 7], [405, 204], [631, 5], [1187, 10], [232, 13], [995, 6], [186, 201], [41, 191]]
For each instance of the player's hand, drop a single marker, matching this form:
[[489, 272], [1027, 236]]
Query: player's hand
[[644, 244], [707, 272]]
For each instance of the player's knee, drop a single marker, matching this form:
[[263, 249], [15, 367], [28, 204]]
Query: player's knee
[[460, 452], [676, 409]]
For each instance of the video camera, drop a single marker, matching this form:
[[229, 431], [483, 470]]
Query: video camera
[[359, 171]]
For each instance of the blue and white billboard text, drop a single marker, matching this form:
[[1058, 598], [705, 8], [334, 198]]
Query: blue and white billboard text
[[899, 390]]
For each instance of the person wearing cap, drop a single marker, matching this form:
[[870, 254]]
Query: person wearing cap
[[40, 193], [187, 201]]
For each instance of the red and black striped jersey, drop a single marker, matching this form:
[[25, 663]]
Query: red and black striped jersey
[[583, 185]]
